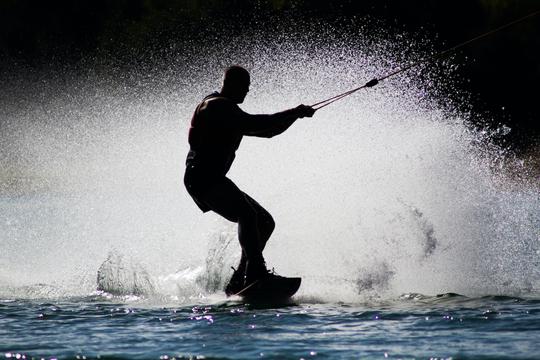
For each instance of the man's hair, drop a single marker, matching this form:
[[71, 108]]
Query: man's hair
[[236, 74]]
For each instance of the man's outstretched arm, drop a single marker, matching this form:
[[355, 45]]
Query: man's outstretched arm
[[273, 124]]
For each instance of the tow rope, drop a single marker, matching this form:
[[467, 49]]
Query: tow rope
[[375, 81]]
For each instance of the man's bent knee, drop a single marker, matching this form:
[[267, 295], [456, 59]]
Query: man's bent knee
[[247, 215], [267, 224]]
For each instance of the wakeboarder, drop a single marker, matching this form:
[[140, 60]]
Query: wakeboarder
[[217, 127]]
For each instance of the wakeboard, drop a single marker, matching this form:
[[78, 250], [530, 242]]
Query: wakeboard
[[270, 290]]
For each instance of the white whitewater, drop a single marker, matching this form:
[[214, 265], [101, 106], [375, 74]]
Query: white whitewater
[[386, 192]]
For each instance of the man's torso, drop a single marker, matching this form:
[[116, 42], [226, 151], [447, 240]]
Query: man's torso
[[214, 136]]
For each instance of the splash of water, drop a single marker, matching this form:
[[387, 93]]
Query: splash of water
[[386, 192]]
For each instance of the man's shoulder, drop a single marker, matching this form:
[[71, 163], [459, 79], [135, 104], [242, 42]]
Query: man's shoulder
[[217, 102]]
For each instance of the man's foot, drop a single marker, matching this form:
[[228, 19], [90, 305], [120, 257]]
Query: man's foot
[[236, 283], [260, 272], [271, 275], [255, 270], [247, 275]]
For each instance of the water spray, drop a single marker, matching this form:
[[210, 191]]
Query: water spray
[[417, 208], [375, 81]]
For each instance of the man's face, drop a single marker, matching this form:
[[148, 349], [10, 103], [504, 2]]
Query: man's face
[[241, 91]]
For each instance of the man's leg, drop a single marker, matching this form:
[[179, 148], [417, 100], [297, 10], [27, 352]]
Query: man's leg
[[265, 227], [265, 222], [254, 223]]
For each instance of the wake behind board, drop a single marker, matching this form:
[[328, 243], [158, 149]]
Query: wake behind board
[[272, 290]]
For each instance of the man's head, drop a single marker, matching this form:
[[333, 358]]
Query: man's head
[[235, 83]]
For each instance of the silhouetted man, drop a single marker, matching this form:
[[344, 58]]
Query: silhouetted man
[[217, 128]]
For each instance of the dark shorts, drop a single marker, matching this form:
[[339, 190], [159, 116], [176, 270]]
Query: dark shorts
[[220, 195]]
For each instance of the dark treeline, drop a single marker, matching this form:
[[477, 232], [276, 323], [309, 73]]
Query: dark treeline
[[503, 70]]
